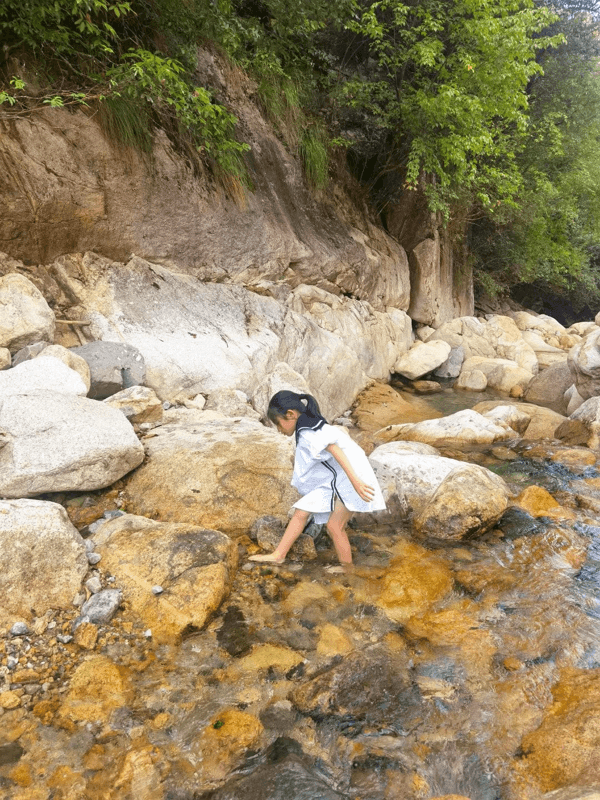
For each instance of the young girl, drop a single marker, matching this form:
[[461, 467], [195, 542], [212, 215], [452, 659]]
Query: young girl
[[331, 471]]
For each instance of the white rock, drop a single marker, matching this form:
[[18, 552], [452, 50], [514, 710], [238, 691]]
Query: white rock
[[41, 375], [416, 482], [72, 360], [539, 344], [423, 357], [401, 448], [424, 332], [515, 418], [139, 404], [25, 316], [462, 428], [226, 337], [472, 380], [42, 558], [583, 328], [544, 325], [231, 403], [584, 363], [508, 342], [572, 399], [502, 374], [56, 442]]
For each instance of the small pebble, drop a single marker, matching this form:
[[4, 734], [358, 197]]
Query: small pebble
[[89, 545], [94, 585], [79, 599], [64, 639], [19, 629], [157, 590], [148, 633], [166, 405], [11, 662], [93, 558]]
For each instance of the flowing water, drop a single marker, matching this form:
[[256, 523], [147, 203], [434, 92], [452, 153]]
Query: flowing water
[[418, 675]]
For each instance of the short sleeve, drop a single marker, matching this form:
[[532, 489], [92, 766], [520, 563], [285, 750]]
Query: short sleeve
[[316, 442]]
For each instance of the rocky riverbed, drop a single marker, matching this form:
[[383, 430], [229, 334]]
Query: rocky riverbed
[[143, 656]]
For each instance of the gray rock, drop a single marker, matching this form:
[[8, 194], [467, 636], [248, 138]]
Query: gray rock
[[29, 352], [100, 607], [19, 629], [157, 590], [64, 638], [452, 365], [268, 530], [93, 558], [11, 662], [113, 367], [59, 442]]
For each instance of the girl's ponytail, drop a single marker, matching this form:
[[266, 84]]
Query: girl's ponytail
[[312, 407], [285, 400]]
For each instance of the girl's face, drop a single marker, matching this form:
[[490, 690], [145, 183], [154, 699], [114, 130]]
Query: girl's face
[[287, 424]]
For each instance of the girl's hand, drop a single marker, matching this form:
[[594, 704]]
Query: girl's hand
[[364, 491]]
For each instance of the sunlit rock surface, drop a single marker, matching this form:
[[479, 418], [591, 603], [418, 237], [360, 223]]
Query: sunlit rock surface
[[221, 474]]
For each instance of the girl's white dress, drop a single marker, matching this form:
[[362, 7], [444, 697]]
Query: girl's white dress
[[321, 479]]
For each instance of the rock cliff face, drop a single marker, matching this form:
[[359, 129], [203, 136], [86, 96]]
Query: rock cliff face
[[64, 188]]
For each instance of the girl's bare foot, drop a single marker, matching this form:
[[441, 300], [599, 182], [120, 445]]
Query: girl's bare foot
[[267, 558]]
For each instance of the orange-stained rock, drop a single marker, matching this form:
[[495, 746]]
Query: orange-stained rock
[[333, 642], [223, 744], [414, 581], [565, 749], [456, 626], [538, 502], [268, 656], [97, 687], [21, 775], [220, 474], [193, 566], [575, 457], [381, 405], [140, 776]]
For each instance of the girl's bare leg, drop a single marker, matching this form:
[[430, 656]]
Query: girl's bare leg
[[294, 528], [336, 528]]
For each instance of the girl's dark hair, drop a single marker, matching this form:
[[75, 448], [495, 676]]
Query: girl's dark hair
[[284, 401]]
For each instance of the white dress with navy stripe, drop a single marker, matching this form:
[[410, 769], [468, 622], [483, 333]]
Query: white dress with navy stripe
[[321, 479]]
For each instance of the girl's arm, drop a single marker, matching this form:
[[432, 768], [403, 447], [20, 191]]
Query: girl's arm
[[363, 489]]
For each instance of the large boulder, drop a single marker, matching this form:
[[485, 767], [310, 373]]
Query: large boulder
[[548, 387], [447, 499], [502, 374], [42, 559], [221, 474], [380, 405], [25, 316], [463, 428], [467, 502], [423, 357], [543, 325], [584, 363], [55, 442], [508, 342], [72, 360], [227, 337], [43, 374], [282, 377], [113, 366], [193, 566], [588, 415], [544, 421], [468, 333]]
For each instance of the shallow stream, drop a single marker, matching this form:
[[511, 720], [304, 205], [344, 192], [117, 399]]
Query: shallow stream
[[418, 675]]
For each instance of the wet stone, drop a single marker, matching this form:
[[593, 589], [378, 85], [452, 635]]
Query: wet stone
[[100, 607], [10, 753], [233, 635], [516, 522]]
